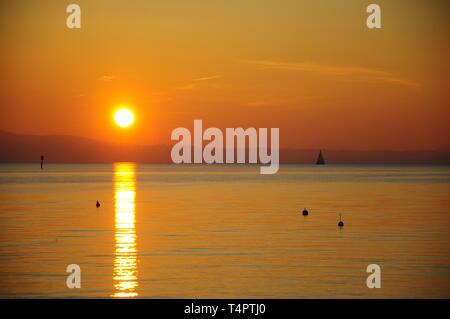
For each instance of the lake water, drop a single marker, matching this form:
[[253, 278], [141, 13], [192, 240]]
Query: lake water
[[224, 231]]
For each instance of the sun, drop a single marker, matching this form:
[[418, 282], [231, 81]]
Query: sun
[[124, 117]]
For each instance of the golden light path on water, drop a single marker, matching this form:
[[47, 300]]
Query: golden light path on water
[[125, 260]]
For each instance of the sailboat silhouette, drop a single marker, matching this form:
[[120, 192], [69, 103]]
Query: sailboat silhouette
[[320, 159]]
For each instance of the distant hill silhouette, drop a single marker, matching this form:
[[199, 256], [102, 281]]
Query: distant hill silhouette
[[72, 149], [19, 148]]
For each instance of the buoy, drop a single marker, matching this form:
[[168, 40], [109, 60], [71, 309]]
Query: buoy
[[97, 205], [341, 223], [305, 212]]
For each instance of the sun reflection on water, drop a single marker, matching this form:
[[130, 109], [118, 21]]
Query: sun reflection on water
[[125, 260]]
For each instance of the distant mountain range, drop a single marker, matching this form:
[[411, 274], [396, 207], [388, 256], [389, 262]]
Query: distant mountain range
[[19, 148]]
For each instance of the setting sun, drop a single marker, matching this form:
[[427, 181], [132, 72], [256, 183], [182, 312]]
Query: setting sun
[[124, 118]]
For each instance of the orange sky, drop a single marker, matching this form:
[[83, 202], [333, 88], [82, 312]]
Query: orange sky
[[311, 68]]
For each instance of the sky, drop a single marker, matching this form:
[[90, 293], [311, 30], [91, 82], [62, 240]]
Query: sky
[[311, 68]]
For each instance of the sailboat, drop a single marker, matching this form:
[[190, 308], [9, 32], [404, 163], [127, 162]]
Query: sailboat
[[320, 159]]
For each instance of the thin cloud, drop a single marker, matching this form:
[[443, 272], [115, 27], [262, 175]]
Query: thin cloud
[[208, 78], [347, 71], [195, 82], [107, 78], [186, 87], [281, 102]]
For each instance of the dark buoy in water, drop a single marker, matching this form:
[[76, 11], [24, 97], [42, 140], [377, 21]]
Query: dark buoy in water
[[341, 223], [305, 212], [97, 205]]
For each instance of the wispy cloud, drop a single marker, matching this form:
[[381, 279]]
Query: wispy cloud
[[345, 71], [281, 102], [187, 87], [195, 82], [208, 78], [107, 78]]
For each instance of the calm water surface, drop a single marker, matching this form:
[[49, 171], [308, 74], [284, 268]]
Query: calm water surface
[[224, 231]]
